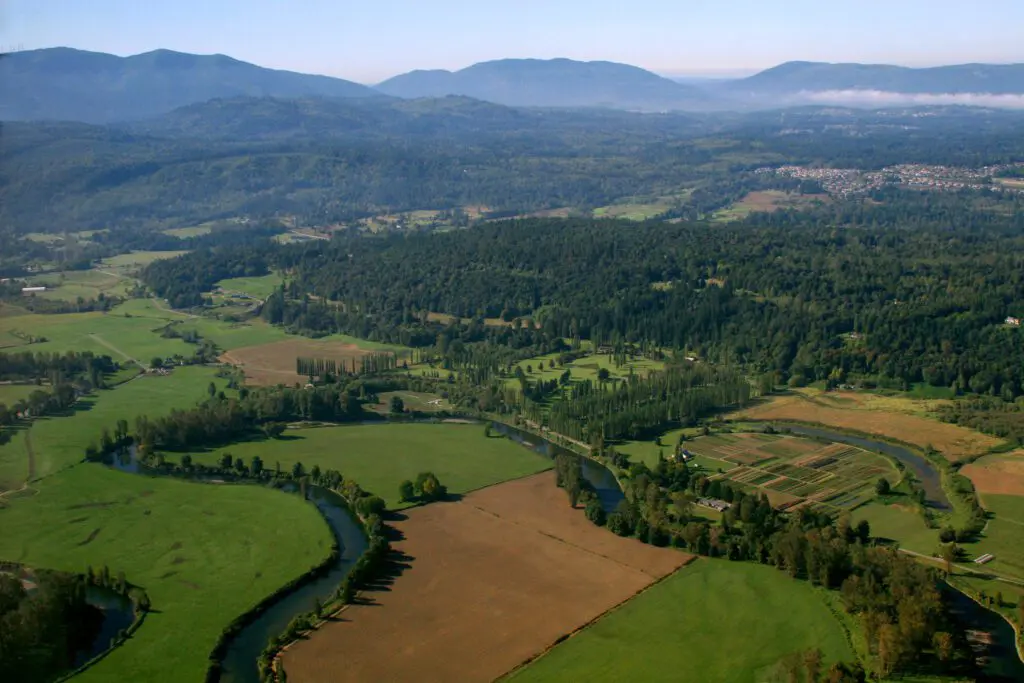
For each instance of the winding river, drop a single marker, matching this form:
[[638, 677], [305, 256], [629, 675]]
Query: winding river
[[244, 649], [925, 472]]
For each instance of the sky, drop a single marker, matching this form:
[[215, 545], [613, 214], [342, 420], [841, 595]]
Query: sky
[[370, 40]]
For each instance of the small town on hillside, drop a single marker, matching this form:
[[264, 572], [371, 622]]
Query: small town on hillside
[[844, 182]]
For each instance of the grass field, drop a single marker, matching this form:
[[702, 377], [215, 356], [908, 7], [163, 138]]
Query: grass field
[[138, 259], [413, 400], [379, 457], [204, 554], [699, 625], [767, 200], [75, 284], [634, 212], [900, 523], [1004, 535], [12, 393], [53, 443], [584, 368], [194, 231], [116, 335], [259, 287], [792, 470]]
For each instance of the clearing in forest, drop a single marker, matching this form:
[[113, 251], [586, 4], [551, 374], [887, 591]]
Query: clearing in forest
[[271, 364], [485, 584], [954, 442]]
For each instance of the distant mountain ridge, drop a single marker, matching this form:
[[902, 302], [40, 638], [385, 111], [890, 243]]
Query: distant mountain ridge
[[994, 79], [550, 83], [93, 87]]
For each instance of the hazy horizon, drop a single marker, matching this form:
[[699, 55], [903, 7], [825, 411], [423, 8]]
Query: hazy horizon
[[368, 44]]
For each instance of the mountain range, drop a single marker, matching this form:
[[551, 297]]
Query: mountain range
[[91, 87]]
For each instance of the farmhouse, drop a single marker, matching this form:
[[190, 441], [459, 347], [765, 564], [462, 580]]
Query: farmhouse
[[714, 504], [1010, 320]]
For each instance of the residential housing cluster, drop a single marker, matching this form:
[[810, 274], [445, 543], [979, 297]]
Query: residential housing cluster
[[845, 182]]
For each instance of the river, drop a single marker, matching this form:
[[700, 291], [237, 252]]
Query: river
[[925, 472], [599, 476]]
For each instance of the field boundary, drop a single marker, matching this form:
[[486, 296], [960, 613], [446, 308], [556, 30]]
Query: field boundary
[[583, 627]]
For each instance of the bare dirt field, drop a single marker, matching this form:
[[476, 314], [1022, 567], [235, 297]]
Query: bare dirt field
[[270, 364], [998, 474], [485, 584], [954, 442]]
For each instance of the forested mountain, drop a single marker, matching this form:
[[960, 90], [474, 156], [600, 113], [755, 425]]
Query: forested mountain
[[329, 161], [58, 84], [793, 77], [551, 83]]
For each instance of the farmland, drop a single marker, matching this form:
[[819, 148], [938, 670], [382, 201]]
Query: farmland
[[699, 625], [274, 363], [204, 554], [793, 471], [767, 200], [1002, 537], [258, 287], [53, 443], [75, 284], [954, 442], [379, 457], [1001, 474], [487, 582]]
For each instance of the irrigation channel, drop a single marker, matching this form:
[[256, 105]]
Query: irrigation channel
[[918, 465], [245, 648]]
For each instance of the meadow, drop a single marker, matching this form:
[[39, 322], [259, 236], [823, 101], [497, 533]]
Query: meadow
[[74, 284], [259, 287], [379, 457], [539, 368], [53, 443], [698, 625], [899, 523], [793, 471], [204, 553], [138, 259], [1003, 537]]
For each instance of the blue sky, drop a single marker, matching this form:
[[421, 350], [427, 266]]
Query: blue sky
[[369, 40]]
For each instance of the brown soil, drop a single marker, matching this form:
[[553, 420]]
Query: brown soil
[[998, 474], [952, 441], [486, 583], [271, 364]]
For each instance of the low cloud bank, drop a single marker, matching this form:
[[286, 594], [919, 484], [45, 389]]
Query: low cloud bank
[[884, 98]]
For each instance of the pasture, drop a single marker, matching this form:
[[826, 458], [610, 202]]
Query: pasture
[[80, 284], [1003, 536], [954, 442], [546, 367], [413, 400], [901, 524], [50, 444], [137, 260], [1001, 474], [204, 553], [380, 457], [699, 625], [275, 363], [12, 393], [117, 334], [767, 201], [793, 471], [638, 211], [484, 584], [257, 287], [194, 231]]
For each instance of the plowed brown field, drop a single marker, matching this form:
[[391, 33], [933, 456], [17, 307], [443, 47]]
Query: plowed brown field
[[491, 581], [270, 364], [953, 441], [998, 474]]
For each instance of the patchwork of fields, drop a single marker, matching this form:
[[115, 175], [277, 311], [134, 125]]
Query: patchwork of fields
[[954, 442], [486, 583], [793, 471]]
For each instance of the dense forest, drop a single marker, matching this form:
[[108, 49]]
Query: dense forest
[[916, 289], [42, 630], [325, 162]]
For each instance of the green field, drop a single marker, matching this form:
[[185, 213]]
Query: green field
[[194, 231], [700, 624], [138, 259], [259, 287], [58, 442], [379, 457], [633, 212], [12, 393], [84, 284], [583, 368], [1003, 537], [900, 523], [115, 334], [204, 554], [413, 400]]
